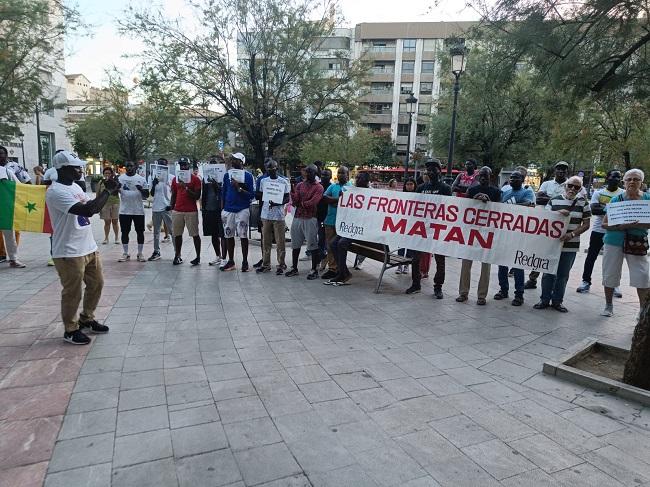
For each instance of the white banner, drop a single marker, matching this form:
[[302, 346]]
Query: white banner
[[159, 171], [238, 175], [630, 211], [496, 233]]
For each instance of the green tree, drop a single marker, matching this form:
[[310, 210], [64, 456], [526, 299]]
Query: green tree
[[362, 148], [123, 131], [31, 47], [500, 112], [588, 46], [274, 89]]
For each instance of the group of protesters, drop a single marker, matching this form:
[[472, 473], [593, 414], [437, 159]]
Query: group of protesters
[[312, 198]]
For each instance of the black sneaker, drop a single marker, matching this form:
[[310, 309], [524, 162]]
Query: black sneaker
[[437, 293], [518, 301], [328, 275], [3, 258], [177, 260], [280, 271], [94, 326], [244, 266], [262, 269], [501, 295], [196, 261], [76, 338], [258, 264], [313, 274], [530, 284], [291, 273], [413, 290], [229, 266], [154, 256]]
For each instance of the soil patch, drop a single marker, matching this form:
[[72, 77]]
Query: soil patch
[[603, 361]]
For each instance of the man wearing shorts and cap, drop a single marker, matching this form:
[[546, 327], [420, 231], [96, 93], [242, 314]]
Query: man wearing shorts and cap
[[74, 249], [237, 196], [185, 213]]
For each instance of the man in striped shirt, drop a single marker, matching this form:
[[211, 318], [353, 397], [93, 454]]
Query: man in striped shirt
[[577, 208]]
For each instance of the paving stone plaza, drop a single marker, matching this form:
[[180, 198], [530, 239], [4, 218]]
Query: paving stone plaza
[[237, 379]]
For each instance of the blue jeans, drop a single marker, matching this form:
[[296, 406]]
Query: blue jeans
[[519, 280], [554, 285]]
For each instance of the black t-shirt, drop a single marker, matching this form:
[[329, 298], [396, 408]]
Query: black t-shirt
[[321, 210], [434, 188], [492, 192]]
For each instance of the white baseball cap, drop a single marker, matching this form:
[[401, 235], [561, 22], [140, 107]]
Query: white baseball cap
[[66, 158], [240, 156]]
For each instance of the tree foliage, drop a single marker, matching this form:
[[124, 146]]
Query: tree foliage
[[125, 131], [500, 110], [587, 46], [362, 148], [31, 47], [255, 60]]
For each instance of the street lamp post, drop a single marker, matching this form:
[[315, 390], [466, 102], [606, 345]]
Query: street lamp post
[[411, 104], [458, 62], [21, 137]]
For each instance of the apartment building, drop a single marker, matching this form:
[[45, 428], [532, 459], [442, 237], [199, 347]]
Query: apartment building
[[404, 58]]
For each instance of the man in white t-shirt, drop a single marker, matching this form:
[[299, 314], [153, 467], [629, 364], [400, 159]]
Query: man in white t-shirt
[[74, 249], [132, 190], [161, 190], [9, 243], [20, 172]]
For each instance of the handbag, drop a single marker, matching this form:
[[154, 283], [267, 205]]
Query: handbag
[[635, 244]]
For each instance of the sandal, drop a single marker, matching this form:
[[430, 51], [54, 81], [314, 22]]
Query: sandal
[[481, 301], [461, 299]]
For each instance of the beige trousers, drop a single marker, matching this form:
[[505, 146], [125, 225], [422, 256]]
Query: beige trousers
[[72, 272], [330, 233], [466, 275], [269, 229]]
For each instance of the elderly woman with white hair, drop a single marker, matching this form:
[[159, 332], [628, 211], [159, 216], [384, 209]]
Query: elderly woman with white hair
[[627, 242], [577, 208]]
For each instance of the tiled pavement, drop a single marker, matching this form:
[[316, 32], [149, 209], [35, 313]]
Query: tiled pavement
[[215, 379]]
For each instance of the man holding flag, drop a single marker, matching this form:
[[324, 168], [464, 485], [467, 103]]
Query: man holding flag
[[74, 249], [8, 183]]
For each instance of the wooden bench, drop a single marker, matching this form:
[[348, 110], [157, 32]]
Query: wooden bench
[[380, 253]]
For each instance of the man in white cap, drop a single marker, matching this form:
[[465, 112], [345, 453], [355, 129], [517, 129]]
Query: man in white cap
[[238, 191], [74, 249], [9, 243]]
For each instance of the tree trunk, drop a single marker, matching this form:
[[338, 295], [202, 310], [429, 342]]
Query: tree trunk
[[637, 368], [626, 160]]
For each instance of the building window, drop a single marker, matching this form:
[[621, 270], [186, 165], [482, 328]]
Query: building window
[[421, 129], [382, 68], [334, 66], [402, 129], [381, 88], [409, 45], [46, 139], [379, 108], [429, 45], [406, 88], [427, 67], [373, 127], [424, 109], [426, 88], [408, 67], [402, 107]]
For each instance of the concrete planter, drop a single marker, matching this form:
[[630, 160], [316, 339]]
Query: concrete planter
[[564, 369]]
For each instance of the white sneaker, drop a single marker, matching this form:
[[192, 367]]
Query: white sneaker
[[117, 242], [50, 262], [618, 293], [216, 262], [140, 258], [608, 311], [399, 270], [16, 264], [167, 239], [105, 241], [124, 258]]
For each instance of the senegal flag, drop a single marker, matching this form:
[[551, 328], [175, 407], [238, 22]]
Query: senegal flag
[[22, 207]]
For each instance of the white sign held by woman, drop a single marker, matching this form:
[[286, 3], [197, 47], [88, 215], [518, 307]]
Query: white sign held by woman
[[629, 211]]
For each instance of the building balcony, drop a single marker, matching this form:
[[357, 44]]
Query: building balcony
[[377, 97], [384, 118]]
